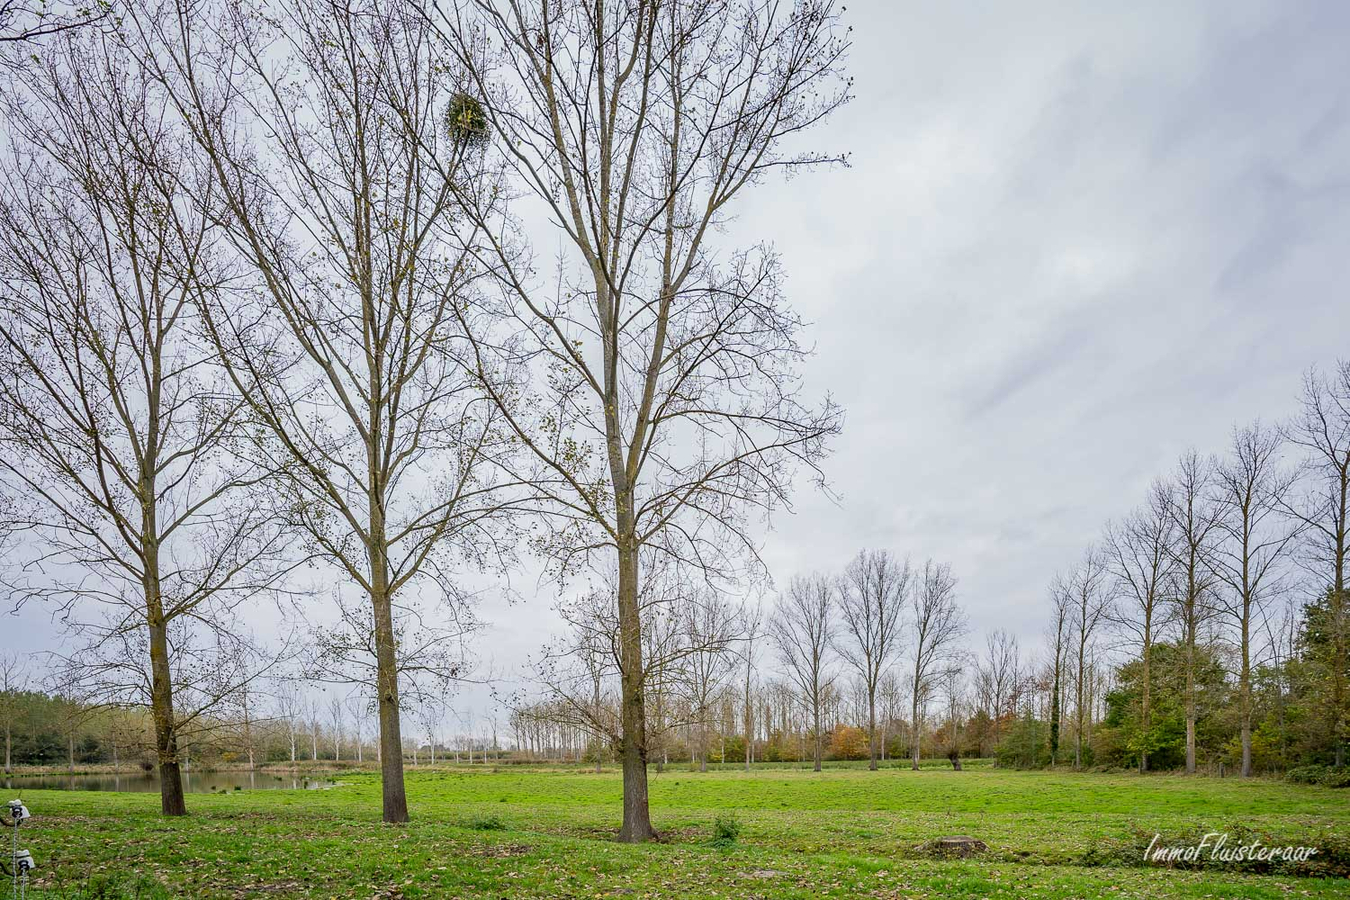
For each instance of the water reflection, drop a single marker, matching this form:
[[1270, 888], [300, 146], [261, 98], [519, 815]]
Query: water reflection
[[193, 782]]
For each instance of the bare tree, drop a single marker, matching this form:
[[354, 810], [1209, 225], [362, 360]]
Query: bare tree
[[337, 717], [1090, 604], [291, 712], [714, 629], [954, 691], [752, 628], [595, 651], [314, 710], [872, 598], [1000, 671], [1061, 615], [14, 680], [1250, 491], [1194, 533], [333, 134], [938, 625], [802, 629], [244, 698], [670, 405], [892, 695], [358, 705], [1322, 428], [1139, 557], [432, 710], [117, 428], [579, 670]]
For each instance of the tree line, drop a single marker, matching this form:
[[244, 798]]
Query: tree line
[[1206, 629]]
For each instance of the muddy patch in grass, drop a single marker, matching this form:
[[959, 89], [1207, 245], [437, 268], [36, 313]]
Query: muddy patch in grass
[[498, 851]]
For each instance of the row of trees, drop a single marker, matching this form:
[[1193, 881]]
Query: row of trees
[[1236, 562], [50, 730], [1210, 623], [268, 305]]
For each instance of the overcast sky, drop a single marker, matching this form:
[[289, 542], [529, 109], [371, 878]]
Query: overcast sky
[[1073, 241]]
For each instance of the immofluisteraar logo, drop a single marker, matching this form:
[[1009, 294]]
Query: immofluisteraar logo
[[1215, 846]]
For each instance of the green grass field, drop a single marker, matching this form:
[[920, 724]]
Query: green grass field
[[847, 832]]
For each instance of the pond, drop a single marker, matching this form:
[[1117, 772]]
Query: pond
[[193, 782]]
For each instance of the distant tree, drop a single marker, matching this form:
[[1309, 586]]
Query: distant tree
[[1322, 428], [954, 693], [848, 742], [891, 695], [1194, 534], [1169, 669], [1250, 490], [291, 712], [713, 626], [337, 717], [752, 630], [314, 710], [872, 595], [1061, 614], [1138, 552], [1089, 608], [802, 629], [1314, 668], [999, 672], [938, 624], [1026, 745], [14, 681]]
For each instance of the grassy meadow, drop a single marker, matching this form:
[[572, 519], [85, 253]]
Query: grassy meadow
[[548, 832]]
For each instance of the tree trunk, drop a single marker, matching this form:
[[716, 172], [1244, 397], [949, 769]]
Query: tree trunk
[[1245, 685], [1078, 706], [1147, 695], [637, 824], [816, 767], [248, 735], [171, 798], [391, 739], [1340, 721], [1190, 700], [749, 729], [914, 749], [161, 710], [871, 730], [1054, 716]]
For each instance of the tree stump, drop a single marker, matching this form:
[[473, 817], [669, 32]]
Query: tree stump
[[957, 846]]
